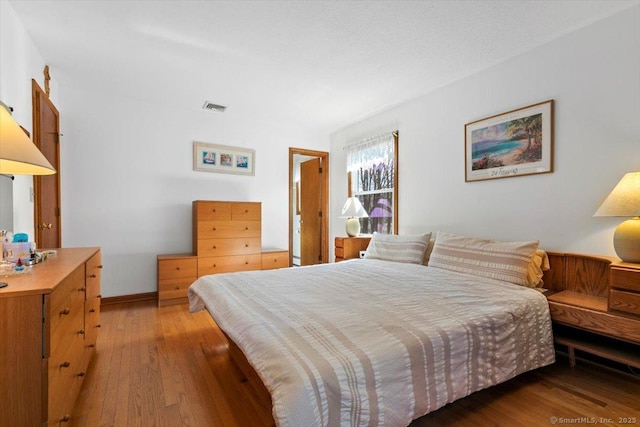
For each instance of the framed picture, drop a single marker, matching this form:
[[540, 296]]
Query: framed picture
[[223, 159], [515, 143]]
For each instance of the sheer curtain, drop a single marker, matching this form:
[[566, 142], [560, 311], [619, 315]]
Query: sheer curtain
[[371, 163]]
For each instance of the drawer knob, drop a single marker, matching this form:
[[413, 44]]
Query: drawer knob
[[99, 266], [214, 229], [213, 210], [246, 245], [98, 325], [214, 246], [215, 265], [99, 295], [81, 332], [92, 310], [246, 262], [246, 228], [65, 312], [93, 276], [246, 211], [65, 364], [91, 345], [65, 419], [81, 374], [178, 268], [82, 289]]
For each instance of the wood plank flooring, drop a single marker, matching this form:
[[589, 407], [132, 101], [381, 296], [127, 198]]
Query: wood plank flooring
[[168, 367]]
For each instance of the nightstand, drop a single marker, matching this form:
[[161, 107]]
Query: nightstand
[[350, 247], [175, 274], [595, 306]]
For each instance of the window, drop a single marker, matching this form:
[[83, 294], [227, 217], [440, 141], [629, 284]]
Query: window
[[372, 165]]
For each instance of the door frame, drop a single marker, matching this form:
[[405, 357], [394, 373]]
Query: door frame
[[36, 95], [324, 200]]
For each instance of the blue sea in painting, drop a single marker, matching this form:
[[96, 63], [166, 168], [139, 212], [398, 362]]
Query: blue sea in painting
[[492, 148]]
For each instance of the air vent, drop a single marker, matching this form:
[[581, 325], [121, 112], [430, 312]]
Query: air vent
[[210, 106]]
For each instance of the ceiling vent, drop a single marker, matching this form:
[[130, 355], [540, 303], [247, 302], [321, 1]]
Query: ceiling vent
[[210, 106]]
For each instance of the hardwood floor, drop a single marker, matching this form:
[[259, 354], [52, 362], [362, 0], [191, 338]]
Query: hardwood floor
[[168, 367]]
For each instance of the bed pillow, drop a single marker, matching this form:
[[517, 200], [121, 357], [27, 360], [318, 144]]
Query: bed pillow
[[404, 248], [427, 253], [539, 263], [506, 261]]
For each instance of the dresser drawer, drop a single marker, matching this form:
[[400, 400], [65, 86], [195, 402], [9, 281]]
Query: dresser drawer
[[224, 247], [177, 268], [275, 259], [625, 278], [212, 211], [249, 211], [69, 293], [228, 264], [629, 302], [93, 275], [228, 229], [92, 323], [174, 288]]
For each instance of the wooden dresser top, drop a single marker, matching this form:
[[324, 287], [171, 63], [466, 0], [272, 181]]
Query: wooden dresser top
[[44, 277]]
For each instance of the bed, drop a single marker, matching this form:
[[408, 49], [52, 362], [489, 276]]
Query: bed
[[376, 341]]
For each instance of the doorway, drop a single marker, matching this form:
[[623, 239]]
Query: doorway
[[308, 207], [46, 188]]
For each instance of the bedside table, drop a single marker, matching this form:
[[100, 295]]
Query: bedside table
[[350, 247], [595, 306]]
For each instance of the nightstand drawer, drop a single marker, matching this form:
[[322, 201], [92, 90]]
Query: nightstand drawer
[[625, 278], [629, 302], [275, 259], [177, 268]]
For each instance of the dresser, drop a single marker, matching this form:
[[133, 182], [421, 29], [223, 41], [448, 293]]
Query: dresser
[[595, 306], [227, 237], [49, 323]]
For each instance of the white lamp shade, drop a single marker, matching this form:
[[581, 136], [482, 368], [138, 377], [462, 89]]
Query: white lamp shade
[[624, 199], [353, 209], [18, 155]]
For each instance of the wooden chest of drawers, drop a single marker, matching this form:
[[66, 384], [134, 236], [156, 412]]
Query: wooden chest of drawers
[[227, 236], [49, 322]]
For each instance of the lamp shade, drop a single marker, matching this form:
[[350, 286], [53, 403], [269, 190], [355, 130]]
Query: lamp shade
[[18, 155], [353, 209], [624, 200]]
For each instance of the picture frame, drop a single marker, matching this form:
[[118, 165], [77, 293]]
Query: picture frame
[[516, 143], [223, 159]]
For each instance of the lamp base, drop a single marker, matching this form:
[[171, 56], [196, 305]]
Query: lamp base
[[626, 240], [353, 226]]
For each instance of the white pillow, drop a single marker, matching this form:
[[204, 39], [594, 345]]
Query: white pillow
[[392, 247], [506, 261]]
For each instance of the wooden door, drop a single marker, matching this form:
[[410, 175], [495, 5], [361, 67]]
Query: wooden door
[[310, 212], [46, 131]]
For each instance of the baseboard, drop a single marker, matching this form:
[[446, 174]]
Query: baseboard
[[147, 296]]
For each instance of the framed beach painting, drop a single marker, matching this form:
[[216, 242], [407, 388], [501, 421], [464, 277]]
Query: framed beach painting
[[223, 159], [515, 143]]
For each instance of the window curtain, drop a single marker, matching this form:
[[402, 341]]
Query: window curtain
[[370, 152]]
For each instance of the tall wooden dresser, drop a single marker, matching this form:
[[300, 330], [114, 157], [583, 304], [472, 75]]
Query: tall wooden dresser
[[49, 322], [227, 237]]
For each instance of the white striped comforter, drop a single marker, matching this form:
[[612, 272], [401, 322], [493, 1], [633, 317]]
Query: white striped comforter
[[375, 343]]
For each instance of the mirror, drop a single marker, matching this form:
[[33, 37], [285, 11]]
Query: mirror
[[6, 202]]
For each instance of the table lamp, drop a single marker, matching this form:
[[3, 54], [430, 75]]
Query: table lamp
[[624, 201], [353, 211], [18, 155]]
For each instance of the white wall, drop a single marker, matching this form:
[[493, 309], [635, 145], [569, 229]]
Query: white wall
[[20, 62], [128, 179], [593, 76]]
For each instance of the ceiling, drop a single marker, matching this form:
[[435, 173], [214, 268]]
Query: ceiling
[[321, 64]]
